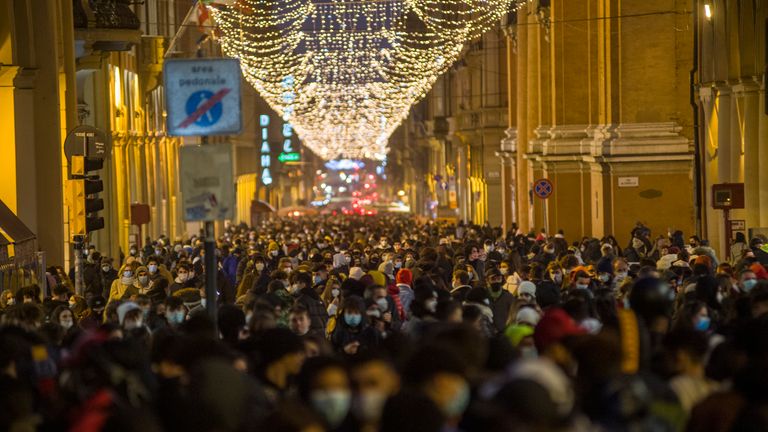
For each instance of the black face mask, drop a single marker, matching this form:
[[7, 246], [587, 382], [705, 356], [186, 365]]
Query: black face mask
[[496, 287]]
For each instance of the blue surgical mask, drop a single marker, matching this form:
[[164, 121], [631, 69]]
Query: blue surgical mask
[[332, 405], [702, 323], [581, 286], [353, 320], [152, 268], [749, 284], [175, 317]]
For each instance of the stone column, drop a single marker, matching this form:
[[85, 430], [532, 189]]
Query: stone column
[[508, 158], [723, 123], [707, 97], [533, 104], [747, 94], [508, 149], [521, 142]]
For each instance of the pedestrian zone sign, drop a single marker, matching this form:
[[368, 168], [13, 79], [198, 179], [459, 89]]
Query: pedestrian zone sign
[[202, 96]]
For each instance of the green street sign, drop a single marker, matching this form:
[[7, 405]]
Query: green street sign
[[289, 157]]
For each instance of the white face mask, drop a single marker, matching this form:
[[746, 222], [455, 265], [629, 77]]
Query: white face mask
[[66, 324], [144, 280], [152, 268], [335, 292], [106, 268], [431, 305], [368, 406], [130, 325], [259, 266]]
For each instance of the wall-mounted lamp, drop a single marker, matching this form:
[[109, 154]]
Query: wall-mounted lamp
[[708, 10]]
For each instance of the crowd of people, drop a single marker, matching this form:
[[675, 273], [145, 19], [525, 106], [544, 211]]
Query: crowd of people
[[386, 323]]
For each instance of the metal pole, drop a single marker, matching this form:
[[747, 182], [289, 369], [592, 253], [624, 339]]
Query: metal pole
[[211, 269], [182, 27], [78, 248], [728, 235]]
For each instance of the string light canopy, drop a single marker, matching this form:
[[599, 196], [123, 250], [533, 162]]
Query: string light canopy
[[346, 72]]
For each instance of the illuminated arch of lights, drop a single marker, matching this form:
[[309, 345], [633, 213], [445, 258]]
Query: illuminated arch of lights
[[346, 72]]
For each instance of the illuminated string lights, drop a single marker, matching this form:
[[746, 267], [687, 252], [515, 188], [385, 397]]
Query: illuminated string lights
[[345, 73]]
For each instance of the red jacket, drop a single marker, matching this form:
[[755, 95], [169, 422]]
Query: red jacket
[[394, 292]]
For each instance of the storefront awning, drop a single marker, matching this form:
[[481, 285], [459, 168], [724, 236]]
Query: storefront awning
[[258, 206]]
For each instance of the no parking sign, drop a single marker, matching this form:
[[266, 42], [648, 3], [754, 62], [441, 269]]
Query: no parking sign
[[202, 96]]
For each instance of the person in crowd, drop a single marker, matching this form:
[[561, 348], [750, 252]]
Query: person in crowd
[[64, 317], [449, 311], [500, 300], [500, 331], [175, 312], [124, 287], [183, 278], [276, 356], [440, 374], [688, 349], [324, 386], [352, 331], [404, 280], [375, 379], [306, 295], [460, 285], [299, 321]]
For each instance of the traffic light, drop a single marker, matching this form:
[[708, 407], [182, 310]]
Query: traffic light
[[84, 187]]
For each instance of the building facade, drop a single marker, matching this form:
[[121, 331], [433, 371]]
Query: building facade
[[600, 107], [103, 61], [570, 92], [733, 138], [452, 137]]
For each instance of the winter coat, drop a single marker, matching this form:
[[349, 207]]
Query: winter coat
[[318, 316], [500, 308]]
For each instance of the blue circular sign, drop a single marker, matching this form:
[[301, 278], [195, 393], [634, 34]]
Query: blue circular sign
[[543, 188], [199, 101]]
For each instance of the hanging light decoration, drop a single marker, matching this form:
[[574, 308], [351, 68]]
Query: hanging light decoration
[[346, 72]]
